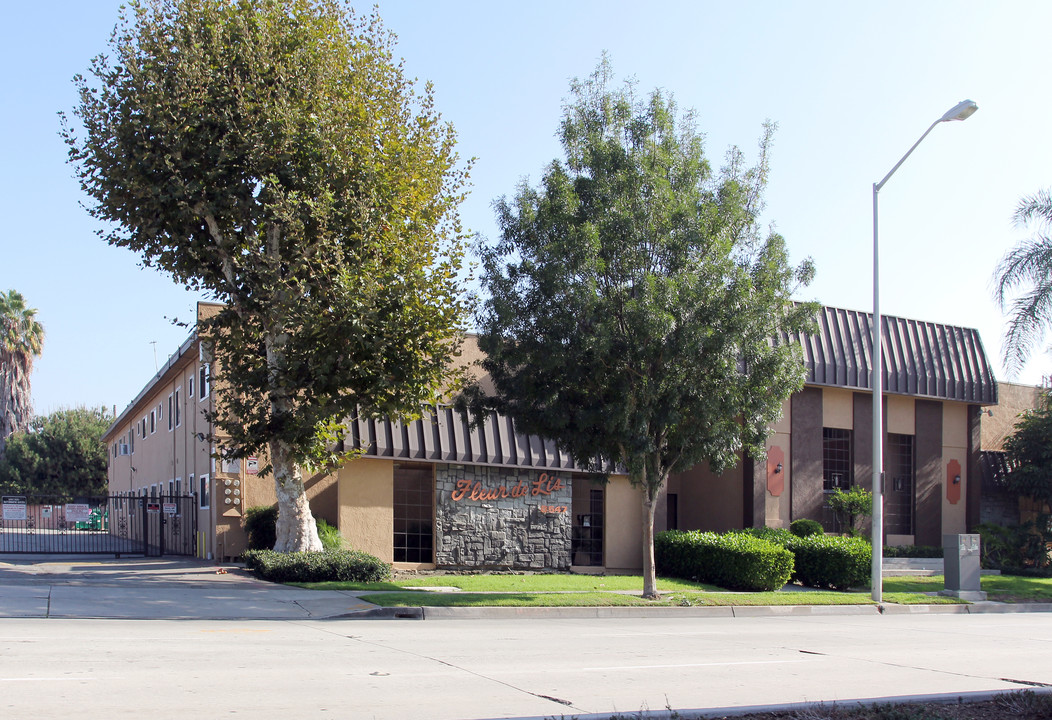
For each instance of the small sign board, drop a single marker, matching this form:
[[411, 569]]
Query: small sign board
[[78, 512], [252, 465], [231, 466], [46, 510], [14, 507], [169, 508], [153, 507]]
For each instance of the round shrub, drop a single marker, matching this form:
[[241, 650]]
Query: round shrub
[[805, 527], [326, 566], [823, 561], [736, 561]]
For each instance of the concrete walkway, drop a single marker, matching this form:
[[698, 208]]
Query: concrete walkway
[[156, 589]]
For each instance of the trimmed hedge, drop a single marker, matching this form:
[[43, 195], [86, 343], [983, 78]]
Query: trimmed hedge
[[805, 527], [912, 551], [330, 565], [735, 561], [824, 561]]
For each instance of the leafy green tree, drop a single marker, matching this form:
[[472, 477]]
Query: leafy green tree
[[21, 340], [60, 456], [1027, 269], [1029, 451], [273, 154], [633, 300], [851, 506]]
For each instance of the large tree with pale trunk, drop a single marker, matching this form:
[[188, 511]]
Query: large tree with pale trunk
[[273, 154], [633, 301]]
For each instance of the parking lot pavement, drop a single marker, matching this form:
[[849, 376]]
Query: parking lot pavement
[[157, 589]]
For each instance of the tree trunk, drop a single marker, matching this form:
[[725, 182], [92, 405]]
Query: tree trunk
[[649, 571], [296, 529]]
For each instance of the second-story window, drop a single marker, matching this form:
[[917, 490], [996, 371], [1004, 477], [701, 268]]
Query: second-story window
[[178, 409]]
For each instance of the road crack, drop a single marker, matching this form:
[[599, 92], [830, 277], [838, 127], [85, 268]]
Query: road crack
[[440, 661]]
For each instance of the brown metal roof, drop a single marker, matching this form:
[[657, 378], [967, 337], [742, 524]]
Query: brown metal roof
[[446, 435], [923, 359]]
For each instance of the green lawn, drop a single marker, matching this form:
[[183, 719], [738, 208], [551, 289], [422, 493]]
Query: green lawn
[[540, 582], [567, 590], [1004, 588]]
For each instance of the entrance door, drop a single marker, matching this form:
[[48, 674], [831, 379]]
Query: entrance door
[[899, 495]]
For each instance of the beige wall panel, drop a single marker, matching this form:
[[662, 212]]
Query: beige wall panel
[[899, 540], [778, 509], [711, 502], [1012, 401], [902, 419], [838, 408], [366, 506], [623, 534], [954, 425], [954, 518]]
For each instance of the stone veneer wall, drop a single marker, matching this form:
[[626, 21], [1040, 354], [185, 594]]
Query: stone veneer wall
[[508, 531]]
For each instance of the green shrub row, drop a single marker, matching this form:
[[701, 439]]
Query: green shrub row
[[735, 561], [823, 561], [912, 551], [330, 565]]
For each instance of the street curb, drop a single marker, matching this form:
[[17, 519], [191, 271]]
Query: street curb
[[725, 712], [722, 611]]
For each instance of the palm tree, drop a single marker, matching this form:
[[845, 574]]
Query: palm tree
[[1027, 268], [21, 339]]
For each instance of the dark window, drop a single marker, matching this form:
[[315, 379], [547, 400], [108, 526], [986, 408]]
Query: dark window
[[672, 512], [178, 413], [202, 383], [169, 412], [899, 471], [587, 546], [203, 498], [414, 513], [836, 459]]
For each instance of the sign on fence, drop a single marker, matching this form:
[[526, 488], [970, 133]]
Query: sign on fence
[[14, 507], [78, 512]]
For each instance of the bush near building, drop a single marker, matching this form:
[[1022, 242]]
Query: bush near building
[[327, 566], [735, 561]]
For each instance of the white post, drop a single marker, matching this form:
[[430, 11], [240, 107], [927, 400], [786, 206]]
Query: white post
[[961, 111]]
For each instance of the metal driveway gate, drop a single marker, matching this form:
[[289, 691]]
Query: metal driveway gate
[[114, 525]]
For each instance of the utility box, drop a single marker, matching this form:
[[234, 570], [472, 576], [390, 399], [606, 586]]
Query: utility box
[[961, 567]]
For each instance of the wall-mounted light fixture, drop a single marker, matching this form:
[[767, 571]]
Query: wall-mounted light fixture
[[777, 468], [956, 479], [986, 411]]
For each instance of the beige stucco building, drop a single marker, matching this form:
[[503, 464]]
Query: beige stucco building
[[445, 491]]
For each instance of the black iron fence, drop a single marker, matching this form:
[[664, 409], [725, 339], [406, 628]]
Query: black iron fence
[[115, 525]]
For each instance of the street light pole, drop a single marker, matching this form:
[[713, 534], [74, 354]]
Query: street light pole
[[961, 111]]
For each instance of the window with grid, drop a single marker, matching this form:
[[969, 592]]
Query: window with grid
[[414, 513], [836, 459]]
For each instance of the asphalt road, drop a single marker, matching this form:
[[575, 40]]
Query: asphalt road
[[461, 669]]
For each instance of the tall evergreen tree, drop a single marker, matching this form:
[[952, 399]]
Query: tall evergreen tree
[[633, 299], [21, 341]]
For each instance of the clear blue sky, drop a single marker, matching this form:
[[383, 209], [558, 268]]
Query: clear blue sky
[[851, 86]]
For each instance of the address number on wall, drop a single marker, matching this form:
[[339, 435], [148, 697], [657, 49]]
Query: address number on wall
[[554, 508]]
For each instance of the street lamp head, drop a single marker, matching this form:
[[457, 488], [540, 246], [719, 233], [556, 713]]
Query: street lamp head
[[961, 111]]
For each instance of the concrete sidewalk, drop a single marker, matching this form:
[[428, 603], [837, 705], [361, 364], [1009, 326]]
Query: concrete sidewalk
[[157, 589]]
